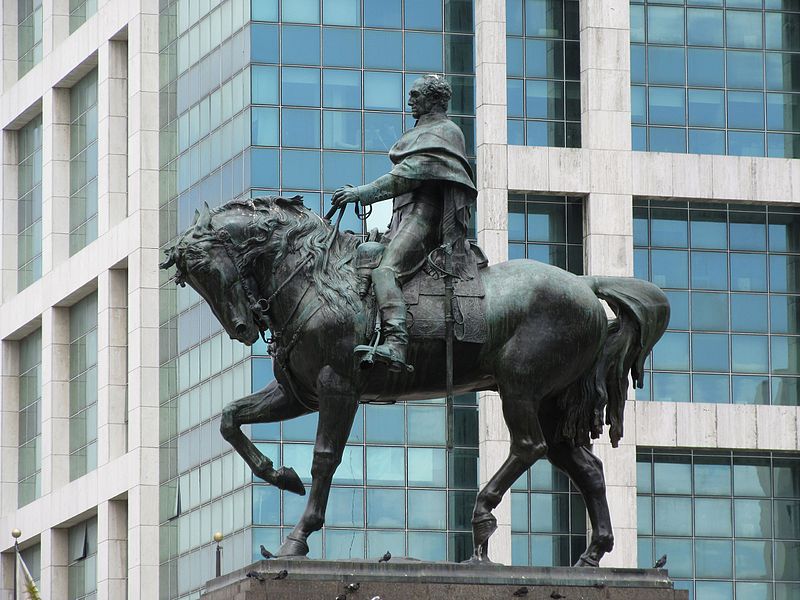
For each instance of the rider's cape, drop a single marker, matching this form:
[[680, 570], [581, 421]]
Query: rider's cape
[[434, 150]]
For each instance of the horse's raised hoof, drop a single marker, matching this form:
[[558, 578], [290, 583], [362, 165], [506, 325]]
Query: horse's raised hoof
[[293, 547], [287, 479]]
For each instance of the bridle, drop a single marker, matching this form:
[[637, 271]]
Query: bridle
[[258, 306]]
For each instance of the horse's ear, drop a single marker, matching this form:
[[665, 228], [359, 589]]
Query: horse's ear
[[293, 202], [202, 217], [170, 261]]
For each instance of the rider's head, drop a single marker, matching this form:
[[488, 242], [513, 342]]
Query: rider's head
[[430, 93]]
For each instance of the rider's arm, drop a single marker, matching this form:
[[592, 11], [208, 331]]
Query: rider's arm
[[384, 187]]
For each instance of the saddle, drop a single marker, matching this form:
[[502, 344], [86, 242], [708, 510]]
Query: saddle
[[424, 297]]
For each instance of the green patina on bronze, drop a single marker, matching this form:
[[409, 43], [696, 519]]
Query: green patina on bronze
[[560, 367]]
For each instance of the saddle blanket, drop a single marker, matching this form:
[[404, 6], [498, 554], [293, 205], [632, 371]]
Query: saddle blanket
[[424, 296]]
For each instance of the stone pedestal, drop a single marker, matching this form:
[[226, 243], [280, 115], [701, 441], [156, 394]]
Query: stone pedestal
[[413, 580]]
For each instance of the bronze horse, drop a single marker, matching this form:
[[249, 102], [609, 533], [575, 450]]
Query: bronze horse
[[559, 365]]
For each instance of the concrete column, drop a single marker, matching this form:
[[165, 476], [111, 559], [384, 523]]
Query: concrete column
[[8, 564], [8, 45], [55, 178], [492, 219], [55, 399], [112, 550], [112, 105], [112, 365], [143, 334], [55, 24], [9, 425], [608, 231], [55, 561], [8, 214]]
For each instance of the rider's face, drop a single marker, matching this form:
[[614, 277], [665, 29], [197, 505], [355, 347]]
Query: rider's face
[[418, 101]]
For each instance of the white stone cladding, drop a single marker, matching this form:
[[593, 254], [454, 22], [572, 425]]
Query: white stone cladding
[[121, 41]]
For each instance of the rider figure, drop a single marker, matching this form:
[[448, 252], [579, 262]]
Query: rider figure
[[431, 183]]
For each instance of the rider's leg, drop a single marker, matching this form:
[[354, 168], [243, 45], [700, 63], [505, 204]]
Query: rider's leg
[[415, 237]]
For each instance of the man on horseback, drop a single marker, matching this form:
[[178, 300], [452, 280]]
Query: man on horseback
[[431, 184]]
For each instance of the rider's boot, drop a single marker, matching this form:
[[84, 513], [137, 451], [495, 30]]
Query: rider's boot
[[390, 301]]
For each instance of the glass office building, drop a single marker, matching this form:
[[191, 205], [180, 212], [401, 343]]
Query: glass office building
[[619, 138]]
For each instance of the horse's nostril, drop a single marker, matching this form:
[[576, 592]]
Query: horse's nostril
[[241, 328]]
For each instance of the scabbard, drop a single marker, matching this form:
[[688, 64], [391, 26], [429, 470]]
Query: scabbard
[[448, 341]]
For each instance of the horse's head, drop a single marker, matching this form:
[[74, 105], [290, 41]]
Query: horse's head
[[206, 257]]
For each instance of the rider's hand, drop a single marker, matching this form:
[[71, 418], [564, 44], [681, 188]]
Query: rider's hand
[[344, 195]]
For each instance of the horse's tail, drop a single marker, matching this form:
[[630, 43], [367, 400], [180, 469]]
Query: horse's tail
[[642, 314]]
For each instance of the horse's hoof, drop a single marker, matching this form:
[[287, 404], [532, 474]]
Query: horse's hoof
[[587, 561], [293, 547], [287, 479], [482, 529]]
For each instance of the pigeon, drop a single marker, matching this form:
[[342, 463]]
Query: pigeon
[[254, 575], [282, 575], [352, 587], [386, 557], [661, 562], [523, 591], [266, 553], [555, 595]]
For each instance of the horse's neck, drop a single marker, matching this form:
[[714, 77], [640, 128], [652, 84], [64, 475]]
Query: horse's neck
[[291, 288]]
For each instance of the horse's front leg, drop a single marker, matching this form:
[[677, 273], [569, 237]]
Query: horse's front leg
[[269, 405], [338, 402]]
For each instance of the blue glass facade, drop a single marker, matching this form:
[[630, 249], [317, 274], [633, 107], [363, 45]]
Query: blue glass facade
[[543, 68], [732, 274], [297, 97], [729, 522], [714, 78]]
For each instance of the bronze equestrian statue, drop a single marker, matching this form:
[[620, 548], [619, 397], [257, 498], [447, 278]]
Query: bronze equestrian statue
[[560, 366], [431, 184]]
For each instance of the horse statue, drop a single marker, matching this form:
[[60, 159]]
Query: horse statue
[[561, 367]]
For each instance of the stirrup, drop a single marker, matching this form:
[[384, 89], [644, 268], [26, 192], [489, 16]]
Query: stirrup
[[371, 356]]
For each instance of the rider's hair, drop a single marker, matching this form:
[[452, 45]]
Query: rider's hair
[[436, 88]]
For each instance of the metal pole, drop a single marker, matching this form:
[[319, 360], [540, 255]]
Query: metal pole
[[448, 340], [218, 539], [16, 533], [219, 560]]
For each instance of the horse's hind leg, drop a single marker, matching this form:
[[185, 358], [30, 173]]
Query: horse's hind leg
[[527, 446], [586, 472], [269, 405]]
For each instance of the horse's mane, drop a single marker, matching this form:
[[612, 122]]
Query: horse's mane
[[281, 227]]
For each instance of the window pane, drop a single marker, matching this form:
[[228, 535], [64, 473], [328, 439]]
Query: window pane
[[300, 128], [342, 89], [341, 47], [665, 25], [300, 86], [710, 311], [743, 29], [748, 272], [707, 108], [383, 91], [423, 52], [666, 65], [706, 67], [341, 130], [383, 49], [704, 27], [667, 106], [709, 270], [745, 70], [341, 12], [300, 11], [300, 45], [749, 312]]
